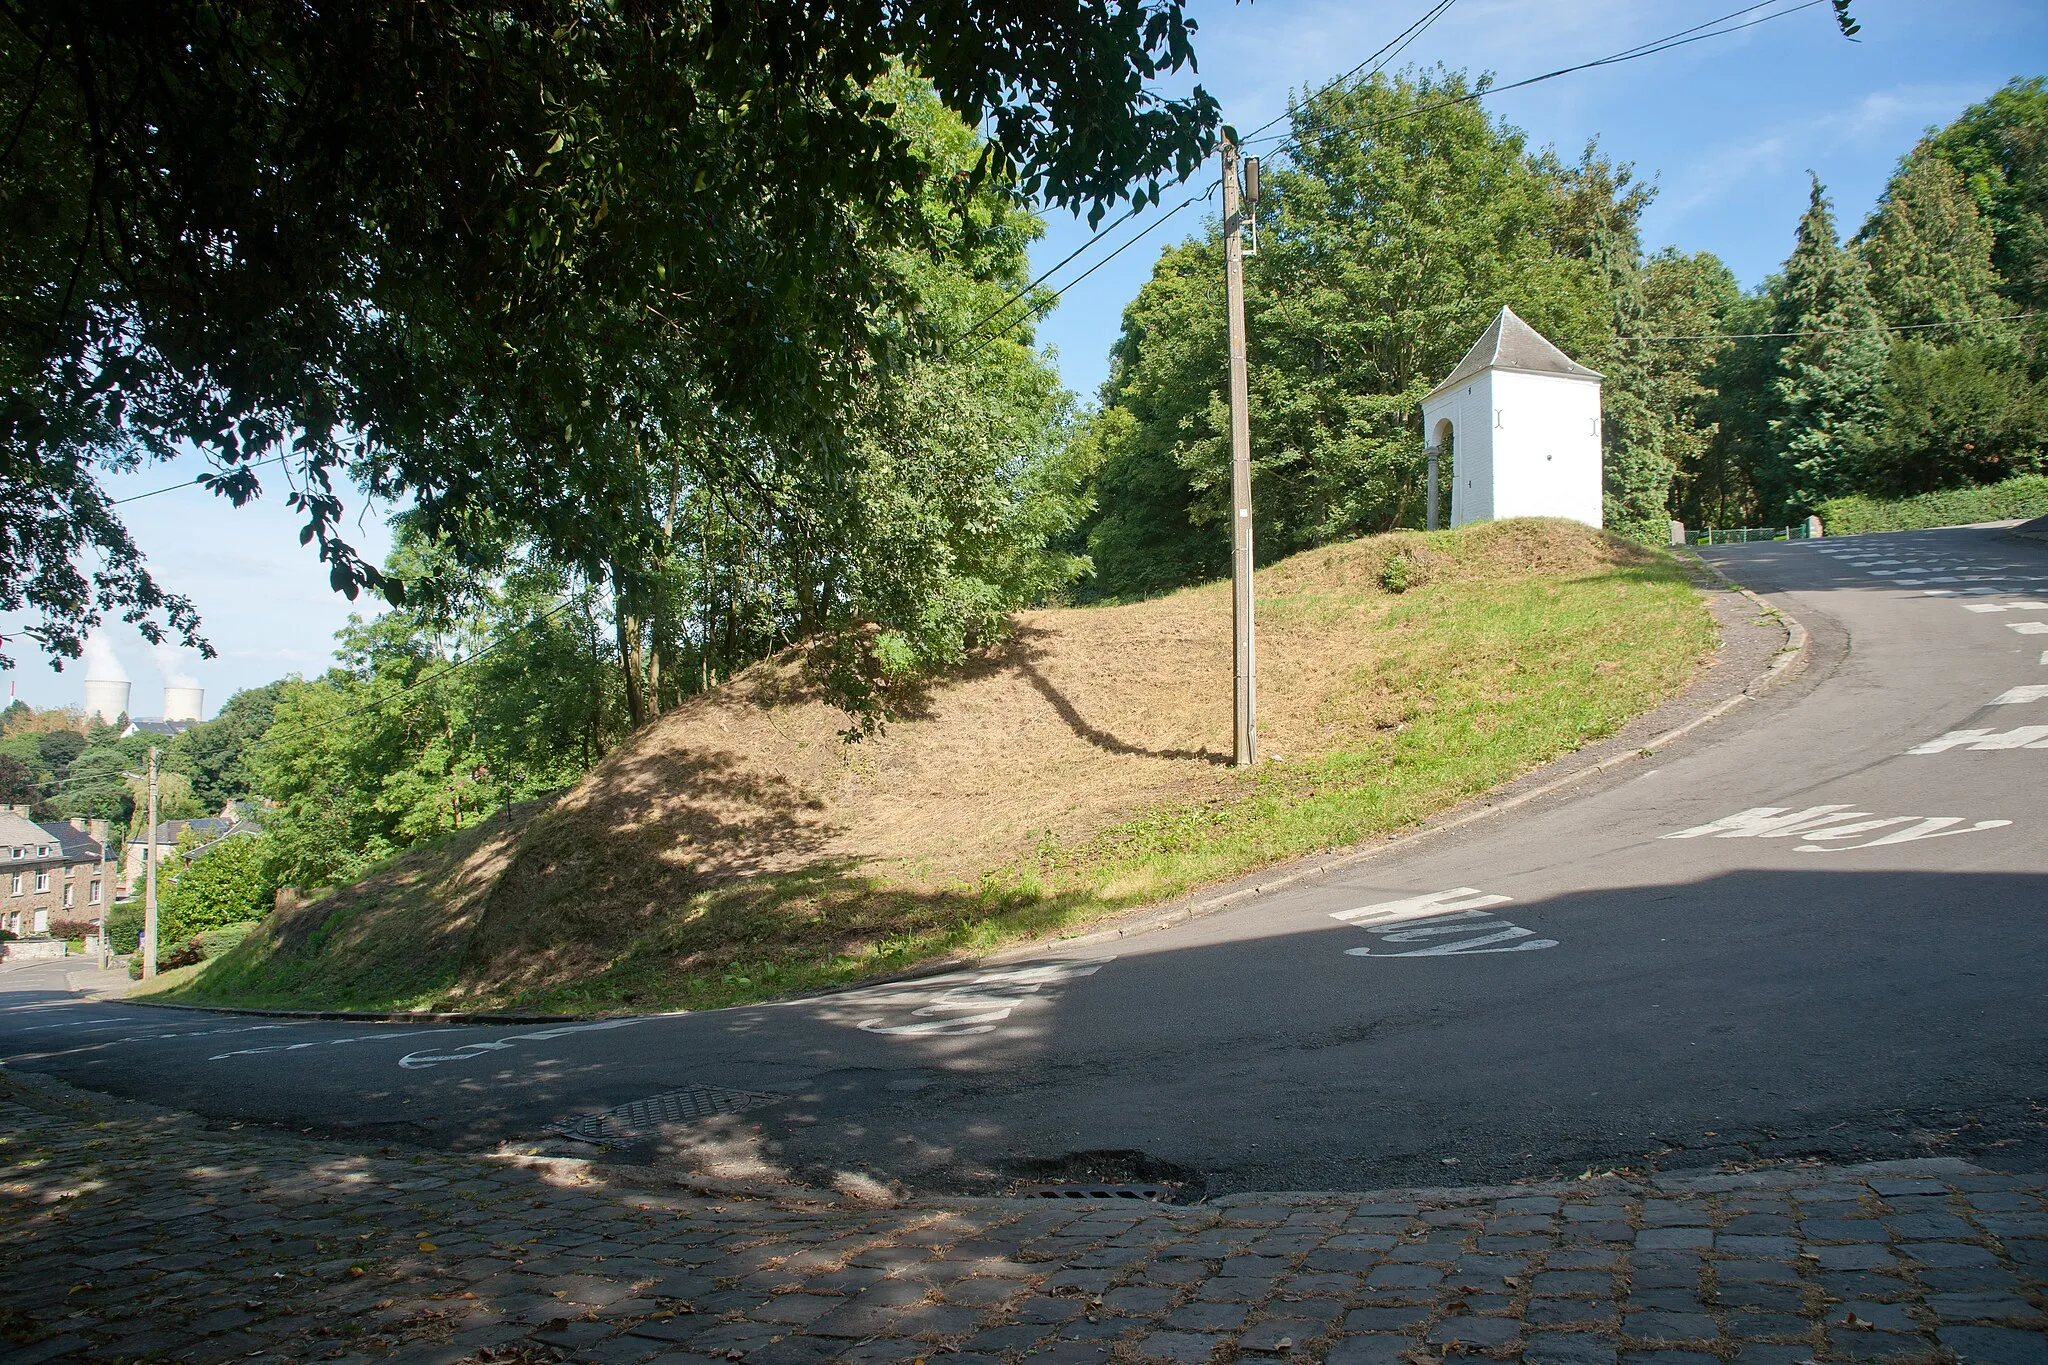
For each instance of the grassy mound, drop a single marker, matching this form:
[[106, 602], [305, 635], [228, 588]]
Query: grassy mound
[[2025, 496], [738, 848]]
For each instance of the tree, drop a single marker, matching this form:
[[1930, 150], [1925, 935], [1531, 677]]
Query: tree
[[212, 886], [487, 259], [1928, 248], [1965, 413], [2001, 148], [1660, 429], [1830, 372], [1402, 221], [216, 752], [95, 786]]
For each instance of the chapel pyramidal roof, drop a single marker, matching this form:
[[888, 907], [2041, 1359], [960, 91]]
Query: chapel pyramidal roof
[[1508, 343]]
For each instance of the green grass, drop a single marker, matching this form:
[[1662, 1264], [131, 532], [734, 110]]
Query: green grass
[[2023, 497], [1490, 679]]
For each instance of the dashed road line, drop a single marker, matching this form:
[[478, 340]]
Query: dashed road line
[[1459, 914]]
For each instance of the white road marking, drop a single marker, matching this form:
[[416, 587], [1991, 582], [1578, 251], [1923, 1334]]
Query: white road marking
[[2028, 627], [469, 1052], [1827, 829], [1766, 822], [2013, 696], [969, 1002], [327, 1042], [2004, 606], [2026, 737], [1441, 914]]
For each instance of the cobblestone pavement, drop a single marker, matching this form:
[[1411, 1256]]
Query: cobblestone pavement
[[129, 1233]]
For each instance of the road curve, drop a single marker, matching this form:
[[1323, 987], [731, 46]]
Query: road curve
[[1816, 928]]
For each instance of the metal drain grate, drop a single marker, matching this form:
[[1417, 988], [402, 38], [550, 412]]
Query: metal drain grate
[[1156, 1193], [644, 1118]]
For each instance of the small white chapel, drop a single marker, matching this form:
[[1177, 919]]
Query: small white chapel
[[1517, 429]]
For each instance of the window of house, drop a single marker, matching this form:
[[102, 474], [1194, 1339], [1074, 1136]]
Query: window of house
[[42, 881], [15, 889], [17, 853], [92, 894], [67, 895], [42, 850]]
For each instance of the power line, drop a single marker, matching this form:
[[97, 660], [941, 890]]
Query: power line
[[194, 481], [1647, 49], [1837, 331], [1696, 33], [1392, 48]]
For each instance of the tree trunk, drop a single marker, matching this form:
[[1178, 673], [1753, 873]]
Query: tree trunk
[[630, 664]]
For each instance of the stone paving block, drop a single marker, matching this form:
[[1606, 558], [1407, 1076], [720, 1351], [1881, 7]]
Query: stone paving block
[[1277, 1335], [1970, 1279], [1982, 1307], [1235, 1290], [1891, 1187], [1207, 1317], [1664, 1213], [1660, 1326], [1884, 1317], [1677, 1238], [1471, 1331], [1370, 1350], [1561, 1282], [1388, 1319], [1582, 1258], [1567, 1348], [1404, 1277], [1664, 1270], [1180, 1348], [1765, 1353], [1850, 1345], [1995, 1345], [1756, 1245], [1015, 1336], [1743, 1325], [1928, 1226], [1668, 1358], [1853, 1257], [1568, 1312]]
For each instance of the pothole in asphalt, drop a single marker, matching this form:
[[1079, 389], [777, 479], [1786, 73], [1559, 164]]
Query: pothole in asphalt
[[1107, 1174]]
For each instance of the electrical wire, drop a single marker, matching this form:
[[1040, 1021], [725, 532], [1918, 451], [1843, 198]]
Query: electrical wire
[[194, 481], [1392, 48], [1651, 48]]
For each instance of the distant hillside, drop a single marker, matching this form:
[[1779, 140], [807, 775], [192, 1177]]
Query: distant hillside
[[739, 847]]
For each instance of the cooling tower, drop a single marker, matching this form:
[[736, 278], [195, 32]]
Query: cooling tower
[[106, 698], [183, 703]]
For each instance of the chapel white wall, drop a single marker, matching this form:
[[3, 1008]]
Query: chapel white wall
[[1545, 447]]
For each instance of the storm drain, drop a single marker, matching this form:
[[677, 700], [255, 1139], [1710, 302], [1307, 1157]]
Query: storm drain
[[1156, 1193], [645, 1118]]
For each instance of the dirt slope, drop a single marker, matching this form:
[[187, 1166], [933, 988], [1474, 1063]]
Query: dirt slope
[[743, 816]]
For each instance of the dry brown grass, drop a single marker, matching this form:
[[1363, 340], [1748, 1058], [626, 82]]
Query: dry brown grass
[[1080, 721]]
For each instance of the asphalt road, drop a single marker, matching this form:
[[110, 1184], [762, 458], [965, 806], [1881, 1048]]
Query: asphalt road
[[1645, 972]]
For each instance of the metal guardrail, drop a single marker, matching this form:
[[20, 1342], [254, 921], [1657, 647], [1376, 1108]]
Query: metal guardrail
[[1743, 535]]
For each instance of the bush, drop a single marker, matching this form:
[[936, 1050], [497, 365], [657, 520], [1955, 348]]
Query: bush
[[223, 885], [124, 926], [2026, 496], [197, 949]]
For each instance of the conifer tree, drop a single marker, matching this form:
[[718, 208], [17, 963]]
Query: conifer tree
[[1829, 386], [1928, 246]]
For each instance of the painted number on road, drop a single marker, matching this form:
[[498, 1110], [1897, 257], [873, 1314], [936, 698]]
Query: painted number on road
[[1440, 924], [961, 1002], [1833, 829]]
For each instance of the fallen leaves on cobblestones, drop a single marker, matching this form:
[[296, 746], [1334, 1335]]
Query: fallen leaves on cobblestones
[[129, 1234]]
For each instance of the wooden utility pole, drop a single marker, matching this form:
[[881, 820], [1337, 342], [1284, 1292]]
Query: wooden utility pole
[[149, 877], [1245, 659]]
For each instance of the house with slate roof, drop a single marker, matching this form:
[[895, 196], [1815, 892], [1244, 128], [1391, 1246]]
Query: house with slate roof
[[1517, 427], [50, 871]]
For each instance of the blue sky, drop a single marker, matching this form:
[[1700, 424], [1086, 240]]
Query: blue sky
[[1728, 129]]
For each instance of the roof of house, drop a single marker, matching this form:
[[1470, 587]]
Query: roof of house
[[158, 727], [205, 827], [1508, 343], [78, 846], [18, 831]]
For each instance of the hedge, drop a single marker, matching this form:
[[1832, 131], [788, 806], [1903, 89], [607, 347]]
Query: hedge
[[2025, 496]]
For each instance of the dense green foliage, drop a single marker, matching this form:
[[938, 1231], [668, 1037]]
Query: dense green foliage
[[539, 272], [1397, 219], [212, 887], [2025, 496]]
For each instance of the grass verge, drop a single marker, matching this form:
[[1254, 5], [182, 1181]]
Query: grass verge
[[1463, 684]]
